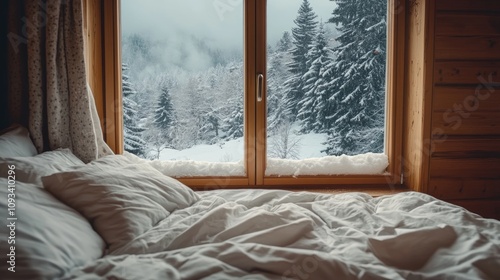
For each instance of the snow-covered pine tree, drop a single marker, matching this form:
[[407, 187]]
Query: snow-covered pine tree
[[277, 74], [164, 112], [164, 121], [228, 108], [313, 106], [211, 126], [359, 87], [189, 112], [132, 132], [303, 35], [233, 125], [285, 42]]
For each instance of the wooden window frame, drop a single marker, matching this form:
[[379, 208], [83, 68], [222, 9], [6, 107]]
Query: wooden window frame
[[102, 30], [102, 59]]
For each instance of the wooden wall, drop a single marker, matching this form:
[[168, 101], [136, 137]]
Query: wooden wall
[[4, 117], [458, 102]]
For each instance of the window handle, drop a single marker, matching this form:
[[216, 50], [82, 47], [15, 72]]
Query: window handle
[[260, 87]]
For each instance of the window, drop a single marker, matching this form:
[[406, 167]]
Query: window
[[263, 133]]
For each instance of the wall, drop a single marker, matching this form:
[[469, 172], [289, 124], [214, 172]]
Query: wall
[[3, 64], [466, 104], [453, 117]]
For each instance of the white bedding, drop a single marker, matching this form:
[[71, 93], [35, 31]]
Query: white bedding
[[224, 234], [257, 234]]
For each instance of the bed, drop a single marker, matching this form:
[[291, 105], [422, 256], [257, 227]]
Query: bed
[[119, 218]]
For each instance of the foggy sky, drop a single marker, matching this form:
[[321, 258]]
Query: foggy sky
[[203, 19]]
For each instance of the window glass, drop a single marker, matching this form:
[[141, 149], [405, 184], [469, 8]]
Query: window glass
[[326, 74], [183, 84]]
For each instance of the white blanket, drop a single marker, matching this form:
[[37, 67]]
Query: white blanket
[[257, 234]]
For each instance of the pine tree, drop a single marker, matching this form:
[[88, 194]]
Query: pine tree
[[164, 112], [229, 107], [313, 106], [276, 76], [303, 35], [164, 122], [359, 87], [132, 132], [233, 125], [285, 42]]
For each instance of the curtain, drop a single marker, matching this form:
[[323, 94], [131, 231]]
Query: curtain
[[48, 89]]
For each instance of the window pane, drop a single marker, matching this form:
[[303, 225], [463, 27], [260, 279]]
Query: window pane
[[183, 84], [326, 87]]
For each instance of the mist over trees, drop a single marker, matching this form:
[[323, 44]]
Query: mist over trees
[[321, 77]]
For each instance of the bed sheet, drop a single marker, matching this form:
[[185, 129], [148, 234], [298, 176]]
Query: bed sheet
[[275, 234]]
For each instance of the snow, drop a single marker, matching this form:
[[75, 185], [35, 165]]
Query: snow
[[369, 163], [227, 160], [191, 168], [224, 159]]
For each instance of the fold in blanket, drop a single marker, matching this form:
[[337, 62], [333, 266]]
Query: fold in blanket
[[490, 267], [412, 250]]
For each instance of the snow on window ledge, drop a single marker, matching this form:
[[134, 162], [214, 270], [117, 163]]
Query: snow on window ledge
[[192, 168], [363, 164]]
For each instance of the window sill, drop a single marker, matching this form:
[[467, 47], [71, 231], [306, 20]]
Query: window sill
[[373, 191]]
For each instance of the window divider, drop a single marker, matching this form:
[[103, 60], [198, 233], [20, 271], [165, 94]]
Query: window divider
[[250, 57], [261, 68]]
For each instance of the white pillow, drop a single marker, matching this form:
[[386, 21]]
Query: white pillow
[[32, 169], [121, 201], [50, 238], [16, 142]]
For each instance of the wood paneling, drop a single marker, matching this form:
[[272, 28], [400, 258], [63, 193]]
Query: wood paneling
[[468, 5], [474, 147], [471, 99], [464, 189], [466, 123], [488, 208], [467, 48], [4, 88], [467, 72], [467, 24], [465, 169], [465, 149]]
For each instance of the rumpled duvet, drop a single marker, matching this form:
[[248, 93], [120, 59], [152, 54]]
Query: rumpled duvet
[[273, 234]]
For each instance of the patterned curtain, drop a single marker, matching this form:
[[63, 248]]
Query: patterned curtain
[[48, 89]]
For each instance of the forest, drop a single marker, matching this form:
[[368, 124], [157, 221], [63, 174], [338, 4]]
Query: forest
[[322, 77]]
